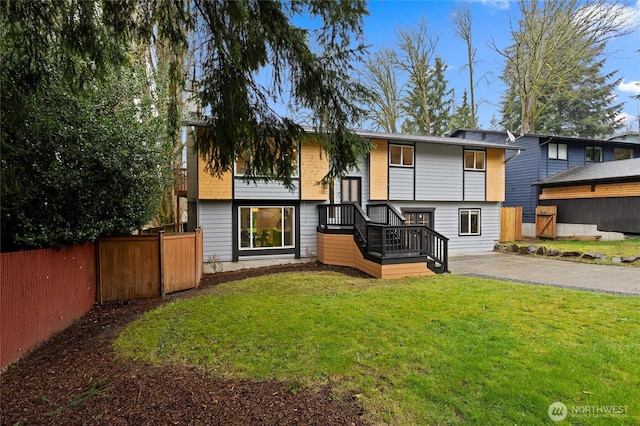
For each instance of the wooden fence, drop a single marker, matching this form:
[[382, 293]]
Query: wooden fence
[[511, 223], [142, 266]]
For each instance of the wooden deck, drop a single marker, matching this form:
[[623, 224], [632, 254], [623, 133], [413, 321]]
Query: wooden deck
[[342, 250]]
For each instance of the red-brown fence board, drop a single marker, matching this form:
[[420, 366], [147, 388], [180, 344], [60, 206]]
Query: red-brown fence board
[[41, 293]]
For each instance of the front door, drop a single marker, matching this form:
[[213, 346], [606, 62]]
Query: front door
[[350, 190]]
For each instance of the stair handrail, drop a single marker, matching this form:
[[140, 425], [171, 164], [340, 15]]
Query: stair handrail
[[360, 226], [437, 247]]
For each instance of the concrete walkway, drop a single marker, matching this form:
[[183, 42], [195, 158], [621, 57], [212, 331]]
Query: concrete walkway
[[535, 270]]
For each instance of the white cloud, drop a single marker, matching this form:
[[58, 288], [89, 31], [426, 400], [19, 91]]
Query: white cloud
[[629, 121], [629, 87], [497, 4]]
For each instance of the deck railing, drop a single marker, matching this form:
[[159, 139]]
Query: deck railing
[[384, 214], [382, 231], [337, 215]]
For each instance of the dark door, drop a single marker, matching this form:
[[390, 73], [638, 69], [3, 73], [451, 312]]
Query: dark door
[[419, 218]]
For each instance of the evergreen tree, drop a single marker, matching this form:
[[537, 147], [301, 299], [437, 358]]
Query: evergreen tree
[[435, 103], [462, 118]]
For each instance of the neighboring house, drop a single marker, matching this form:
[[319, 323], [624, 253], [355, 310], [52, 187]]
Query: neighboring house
[[545, 156], [605, 194], [413, 200], [633, 137]]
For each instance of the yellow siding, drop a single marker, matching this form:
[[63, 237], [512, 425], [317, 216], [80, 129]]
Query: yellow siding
[[341, 250], [379, 169], [495, 174], [627, 189], [314, 165], [212, 187]]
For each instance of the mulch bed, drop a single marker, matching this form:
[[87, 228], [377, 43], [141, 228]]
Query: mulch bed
[[75, 379]]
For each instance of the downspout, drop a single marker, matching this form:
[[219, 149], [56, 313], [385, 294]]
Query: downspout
[[512, 157]]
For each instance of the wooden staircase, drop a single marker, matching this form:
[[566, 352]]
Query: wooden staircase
[[382, 236]]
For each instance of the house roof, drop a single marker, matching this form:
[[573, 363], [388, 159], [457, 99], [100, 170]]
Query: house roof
[[433, 139], [553, 137], [404, 138], [607, 171]]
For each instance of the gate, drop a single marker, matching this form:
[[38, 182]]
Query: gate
[[546, 221]]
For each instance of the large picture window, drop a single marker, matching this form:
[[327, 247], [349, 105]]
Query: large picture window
[[266, 227], [401, 155], [474, 160], [469, 221]]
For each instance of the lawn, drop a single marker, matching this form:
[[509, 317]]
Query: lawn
[[436, 350]]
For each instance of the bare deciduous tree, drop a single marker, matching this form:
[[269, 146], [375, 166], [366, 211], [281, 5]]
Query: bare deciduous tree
[[416, 50], [551, 38], [462, 28], [381, 77]]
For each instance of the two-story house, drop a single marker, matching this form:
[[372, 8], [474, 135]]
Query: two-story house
[[411, 202], [545, 156]]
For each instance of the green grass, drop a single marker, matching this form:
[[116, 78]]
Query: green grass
[[436, 350], [629, 247]]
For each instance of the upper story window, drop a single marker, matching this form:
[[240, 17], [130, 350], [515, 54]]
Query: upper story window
[[241, 164], [622, 153], [557, 151], [401, 155], [594, 153], [474, 160]]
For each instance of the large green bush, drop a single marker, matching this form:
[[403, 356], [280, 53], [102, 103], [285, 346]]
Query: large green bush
[[82, 164]]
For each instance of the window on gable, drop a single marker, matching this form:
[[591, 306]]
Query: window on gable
[[594, 154], [622, 153], [469, 221], [474, 160], [401, 155], [557, 151]]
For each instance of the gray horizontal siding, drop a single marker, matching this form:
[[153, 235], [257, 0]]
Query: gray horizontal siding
[[446, 223], [215, 219], [264, 191], [438, 172], [474, 186], [401, 183], [307, 229]]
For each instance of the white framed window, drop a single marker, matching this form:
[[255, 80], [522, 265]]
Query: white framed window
[[557, 151], [266, 227], [469, 220], [401, 155], [474, 160], [622, 153], [593, 154]]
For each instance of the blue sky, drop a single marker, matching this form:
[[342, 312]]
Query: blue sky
[[490, 19]]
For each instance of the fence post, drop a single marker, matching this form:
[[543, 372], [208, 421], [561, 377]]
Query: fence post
[[161, 261], [99, 296]]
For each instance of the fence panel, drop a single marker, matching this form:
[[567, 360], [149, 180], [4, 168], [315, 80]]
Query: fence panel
[[511, 223], [41, 293], [129, 268], [178, 268], [141, 266]]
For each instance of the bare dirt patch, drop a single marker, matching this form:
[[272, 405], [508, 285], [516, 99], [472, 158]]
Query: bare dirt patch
[[75, 379]]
